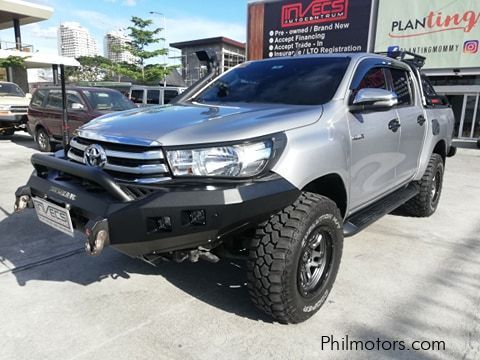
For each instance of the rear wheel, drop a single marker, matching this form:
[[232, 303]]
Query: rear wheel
[[43, 141], [426, 202], [294, 259]]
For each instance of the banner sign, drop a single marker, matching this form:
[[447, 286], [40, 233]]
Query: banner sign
[[446, 32], [301, 27]]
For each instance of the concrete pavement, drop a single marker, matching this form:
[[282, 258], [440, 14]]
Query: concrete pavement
[[402, 279]]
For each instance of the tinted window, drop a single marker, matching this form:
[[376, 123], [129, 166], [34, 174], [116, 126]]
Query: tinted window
[[402, 86], [373, 79], [430, 94], [168, 95], [38, 97], [296, 81], [112, 100], [54, 100], [10, 89], [153, 97], [137, 96]]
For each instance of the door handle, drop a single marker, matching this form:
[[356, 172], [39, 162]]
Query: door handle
[[394, 125], [421, 120]]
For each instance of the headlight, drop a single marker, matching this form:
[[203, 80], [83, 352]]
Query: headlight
[[243, 160], [4, 107]]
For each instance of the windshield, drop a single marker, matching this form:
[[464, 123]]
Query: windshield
[[295, 81], [9, 89], [102, 100]]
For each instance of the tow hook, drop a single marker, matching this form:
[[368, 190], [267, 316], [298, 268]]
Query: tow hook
[[22, 202], [97, 237]]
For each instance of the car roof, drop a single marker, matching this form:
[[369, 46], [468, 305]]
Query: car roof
[[353, 56], [81, 88]]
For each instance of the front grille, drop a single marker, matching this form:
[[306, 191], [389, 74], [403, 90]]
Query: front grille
[[19, 109], [136, 164]]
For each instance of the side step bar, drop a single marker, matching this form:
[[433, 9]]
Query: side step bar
[[359, 221]]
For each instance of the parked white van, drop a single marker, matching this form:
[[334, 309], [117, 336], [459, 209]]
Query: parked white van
[[154, 95]]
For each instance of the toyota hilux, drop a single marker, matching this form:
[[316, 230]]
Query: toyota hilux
[[275, 162]]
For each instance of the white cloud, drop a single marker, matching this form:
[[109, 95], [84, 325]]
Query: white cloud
[[99, 20], [130, 2], [37, 31]]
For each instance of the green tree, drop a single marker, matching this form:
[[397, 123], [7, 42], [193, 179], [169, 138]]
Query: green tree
[[13, 61], [142, 38], [92, 68]]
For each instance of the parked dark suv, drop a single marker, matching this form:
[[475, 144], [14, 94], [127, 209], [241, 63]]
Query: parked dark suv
[[83, 105]]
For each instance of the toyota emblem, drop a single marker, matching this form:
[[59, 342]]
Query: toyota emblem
[[95, 156]]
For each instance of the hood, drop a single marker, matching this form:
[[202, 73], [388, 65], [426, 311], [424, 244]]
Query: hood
[[198, 123], [14, 100]]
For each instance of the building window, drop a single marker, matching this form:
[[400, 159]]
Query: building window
[[231, 59]]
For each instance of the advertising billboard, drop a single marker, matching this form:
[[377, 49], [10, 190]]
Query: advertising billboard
[[301, 27], [446, 32]]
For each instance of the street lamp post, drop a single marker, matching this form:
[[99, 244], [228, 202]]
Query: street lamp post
[[164, 44]]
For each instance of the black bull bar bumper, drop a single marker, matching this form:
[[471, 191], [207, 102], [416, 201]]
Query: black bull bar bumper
[[175, 215]]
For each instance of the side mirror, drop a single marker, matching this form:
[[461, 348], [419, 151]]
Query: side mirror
[[77, 106], [28, 96], [374, 99]]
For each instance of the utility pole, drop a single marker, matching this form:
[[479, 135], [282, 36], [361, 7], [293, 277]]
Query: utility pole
[[164, 44]]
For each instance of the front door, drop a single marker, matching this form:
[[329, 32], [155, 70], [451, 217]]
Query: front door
[[375, 145], [76, 110], [52, 113]]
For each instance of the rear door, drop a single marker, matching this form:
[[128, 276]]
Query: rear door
[[374, 154], [412, 119], [35, 110]]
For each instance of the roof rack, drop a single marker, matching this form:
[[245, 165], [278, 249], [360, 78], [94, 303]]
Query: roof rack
[[405, 56]]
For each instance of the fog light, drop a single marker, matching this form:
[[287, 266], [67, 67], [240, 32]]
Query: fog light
[[194, 217], [159, 224]]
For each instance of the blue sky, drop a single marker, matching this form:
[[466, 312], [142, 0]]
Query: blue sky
[[186, 19]]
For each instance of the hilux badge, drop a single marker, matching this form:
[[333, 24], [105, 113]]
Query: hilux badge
[[95, 156]]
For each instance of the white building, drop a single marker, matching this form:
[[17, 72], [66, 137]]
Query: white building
[[75, 41], [112, 43]]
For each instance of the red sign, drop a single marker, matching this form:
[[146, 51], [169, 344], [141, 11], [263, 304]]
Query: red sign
[[318, 11]]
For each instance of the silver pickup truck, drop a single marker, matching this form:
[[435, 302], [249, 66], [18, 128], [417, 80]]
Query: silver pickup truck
[[274, 162]]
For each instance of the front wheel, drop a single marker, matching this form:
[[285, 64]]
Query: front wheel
[[294, 259], [43, 141]]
